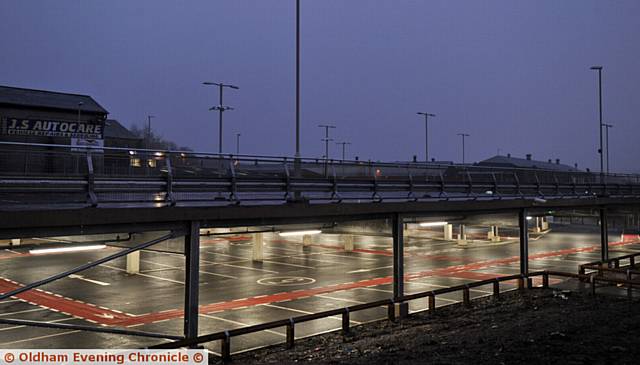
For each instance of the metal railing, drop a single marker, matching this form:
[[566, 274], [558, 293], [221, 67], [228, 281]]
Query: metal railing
[[290, 323], [31, 172]]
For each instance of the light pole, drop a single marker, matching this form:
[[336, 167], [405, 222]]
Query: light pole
[[221, 108], [599, 69], [326, 140], [297, 156], [344, 144], [606, 131], [238, 143], [463, 135], [149, 117], [426, 133]]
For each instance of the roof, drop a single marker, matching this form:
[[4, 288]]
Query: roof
[[48, 99], [113, 129], [508, 161]]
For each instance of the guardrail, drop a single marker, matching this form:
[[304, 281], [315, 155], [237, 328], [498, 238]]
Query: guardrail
[[290, 323], [29, 173]]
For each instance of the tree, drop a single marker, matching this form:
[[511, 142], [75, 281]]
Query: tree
[[155, 141]]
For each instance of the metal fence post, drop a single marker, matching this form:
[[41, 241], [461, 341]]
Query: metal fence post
[[398, 264], [524, 241], [604, 238]]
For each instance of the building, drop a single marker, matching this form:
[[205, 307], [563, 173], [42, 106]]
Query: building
[[54, 118], [526, 163]]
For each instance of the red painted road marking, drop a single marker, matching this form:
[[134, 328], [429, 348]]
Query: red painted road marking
[[61, 304], [110, 317]]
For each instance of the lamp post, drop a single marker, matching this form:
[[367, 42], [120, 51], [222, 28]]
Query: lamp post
[[606, 131], [149, 117], [238, 143], [221, 108], [426, 133], [599, 69], [297, 155], [463, 135], [344, 144], [326, 140]]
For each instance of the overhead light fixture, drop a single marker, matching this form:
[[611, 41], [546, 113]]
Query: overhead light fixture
[[300, 233], [432, 224], [529, 217], [39, 251]]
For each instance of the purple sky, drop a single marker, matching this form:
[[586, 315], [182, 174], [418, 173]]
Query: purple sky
[[513, 74]]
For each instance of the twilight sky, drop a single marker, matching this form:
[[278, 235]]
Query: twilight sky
[[513, 74]]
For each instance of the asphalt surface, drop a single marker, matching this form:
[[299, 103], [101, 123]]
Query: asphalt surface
[[236, 292]]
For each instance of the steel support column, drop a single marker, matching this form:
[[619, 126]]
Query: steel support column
[[524, 241], [398, 256], [192, 275], [400, 309], [604, 237]]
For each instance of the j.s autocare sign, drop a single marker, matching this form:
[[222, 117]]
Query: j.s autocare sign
[[50, 128]]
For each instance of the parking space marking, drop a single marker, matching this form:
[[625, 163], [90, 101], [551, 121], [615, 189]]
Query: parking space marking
[[305, 312], [39, 338], [145, 275], [23, 311], [339, 299], [23, 326], [420, 283], [238, 266], [181, 269], [239, 323]]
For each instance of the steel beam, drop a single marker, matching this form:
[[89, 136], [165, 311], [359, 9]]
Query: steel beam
[[604, 236], [192, 276], [524, 241], [397, 229]]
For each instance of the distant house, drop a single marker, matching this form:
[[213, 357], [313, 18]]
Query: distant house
[[116, 135], [527, 163]]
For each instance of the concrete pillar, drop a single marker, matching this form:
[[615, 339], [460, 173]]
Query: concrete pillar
[[15, 241], [258, 247], [496, 234], [133, 263], [462, 236], [544, 223], [537, 229], [490, 233], [448, 232], [348, 242], [306, 240]]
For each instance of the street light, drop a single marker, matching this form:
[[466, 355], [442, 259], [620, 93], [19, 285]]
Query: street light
[[149, 117], [463, 135], [326, 138], [297, 155], [606, 130], [599, 69], [221, 108], [344, 144], [426, 133], [238, 143]]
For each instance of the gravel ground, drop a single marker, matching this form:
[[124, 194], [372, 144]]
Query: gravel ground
[[536, 327]]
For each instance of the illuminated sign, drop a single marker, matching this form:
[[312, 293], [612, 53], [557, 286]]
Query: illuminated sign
[[50, 128]]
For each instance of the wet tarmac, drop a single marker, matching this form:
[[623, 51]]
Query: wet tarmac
[[235, 291]]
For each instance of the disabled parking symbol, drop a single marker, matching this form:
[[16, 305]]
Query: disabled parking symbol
[[286, 281]]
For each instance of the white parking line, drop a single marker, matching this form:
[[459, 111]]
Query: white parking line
[[145, 275], [22, 326], [305, 312], [39, 338], [339, 299], [445, 286], [179, 268], [287, 264], [374, 289], [239, 267], [238, 323], [10, 301], [24, 311]]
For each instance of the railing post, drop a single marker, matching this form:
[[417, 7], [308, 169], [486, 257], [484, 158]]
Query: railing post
[[291, 333], [545, 280], [604, 238], [592, 280], [345, 322], [629, 286], [496, 289], [465, 296], [432, 303], [192, 276], [225, 347]]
